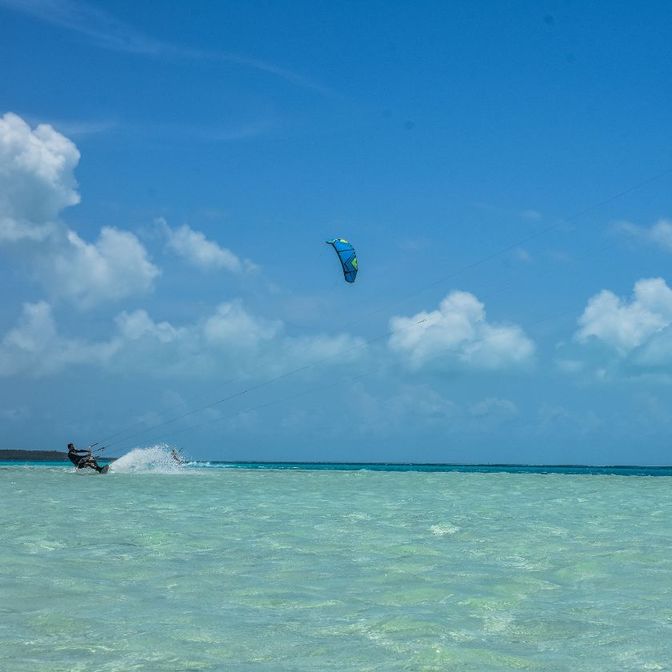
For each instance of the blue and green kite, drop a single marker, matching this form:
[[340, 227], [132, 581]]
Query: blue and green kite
[[346, 253]]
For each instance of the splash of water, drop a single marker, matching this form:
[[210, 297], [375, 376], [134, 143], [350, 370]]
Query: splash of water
[[156, 459]]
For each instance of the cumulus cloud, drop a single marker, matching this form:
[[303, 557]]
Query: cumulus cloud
[[458, 334], [36, 183], [35, 331], [625, 325], [138, 324], [36, 178], [625, 337], [34, 346], [13, 230], [229, 341], [320, 347], [202, 253], [112, 268], [249, 341], [232, 326]]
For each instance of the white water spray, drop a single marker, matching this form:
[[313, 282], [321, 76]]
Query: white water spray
[[156, 459]]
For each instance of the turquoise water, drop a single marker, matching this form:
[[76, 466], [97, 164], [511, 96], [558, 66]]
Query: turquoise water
[[158, 567]]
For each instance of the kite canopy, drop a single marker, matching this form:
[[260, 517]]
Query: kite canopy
[[346, 253]]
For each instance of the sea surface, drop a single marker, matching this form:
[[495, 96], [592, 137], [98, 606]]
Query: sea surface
[[156, 567]]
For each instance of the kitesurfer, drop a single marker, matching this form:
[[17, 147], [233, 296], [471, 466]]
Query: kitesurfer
[[176, 456], [82, 458]]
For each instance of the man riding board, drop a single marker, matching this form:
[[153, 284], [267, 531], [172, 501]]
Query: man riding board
[[82, 458]]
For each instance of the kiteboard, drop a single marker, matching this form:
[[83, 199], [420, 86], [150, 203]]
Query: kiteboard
[[90, 470]]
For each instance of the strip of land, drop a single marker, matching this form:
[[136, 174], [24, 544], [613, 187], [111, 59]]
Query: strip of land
[[42, 456], [33, 455]]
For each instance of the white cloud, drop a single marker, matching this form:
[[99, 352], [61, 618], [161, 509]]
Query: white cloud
[[12, 230], [626, 325], [36, 178], [35, 331], [657, 353], [230, 341], [114, 267], [232, 326], [201, 252], [321, 347], [37, 182], [245, 342], [34, 346], [459, 335], [138, 324], [659, 234]]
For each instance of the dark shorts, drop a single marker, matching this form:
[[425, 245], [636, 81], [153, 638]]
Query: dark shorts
[[82, 460]]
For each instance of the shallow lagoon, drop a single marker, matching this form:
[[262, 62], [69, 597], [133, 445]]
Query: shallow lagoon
[[202, 568]]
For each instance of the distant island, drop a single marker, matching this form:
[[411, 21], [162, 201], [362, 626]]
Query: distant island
[[33, 455], [42, 456]]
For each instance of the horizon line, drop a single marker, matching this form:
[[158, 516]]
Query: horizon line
[[455, 464], [385, 463]]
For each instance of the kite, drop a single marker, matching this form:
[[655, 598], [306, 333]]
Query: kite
[[346, 253]]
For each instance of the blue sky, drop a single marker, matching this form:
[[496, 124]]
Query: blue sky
[[169, 174]]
